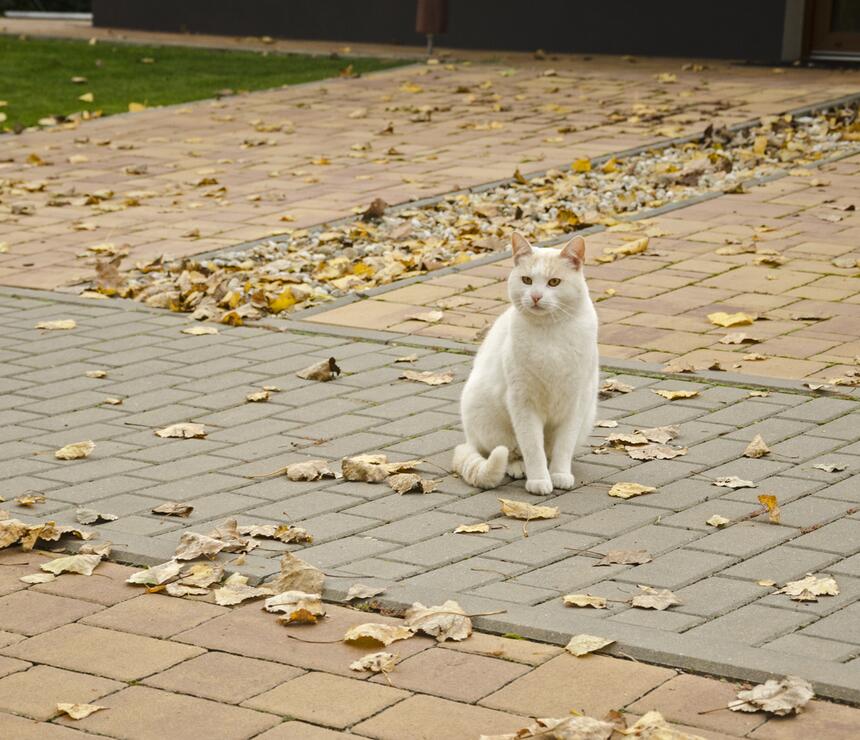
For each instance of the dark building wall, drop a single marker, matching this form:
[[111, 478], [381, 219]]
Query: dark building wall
[[741, 29]]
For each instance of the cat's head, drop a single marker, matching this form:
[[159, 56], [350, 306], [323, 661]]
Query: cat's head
[[547, 283]]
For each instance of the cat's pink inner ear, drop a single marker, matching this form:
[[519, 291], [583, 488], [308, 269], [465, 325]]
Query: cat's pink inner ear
[[520, 246], [574, 251]]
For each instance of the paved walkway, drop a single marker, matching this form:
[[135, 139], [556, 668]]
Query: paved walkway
[[728, 622], [233, 673], [654, 307]]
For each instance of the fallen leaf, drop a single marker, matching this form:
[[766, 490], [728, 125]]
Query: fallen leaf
[[565, 728], [407, 358], [202, 575], [718, 521], [185, 430], [625, 557], [661, 435], [375, 663], [200, 330], [373, 632], [411, 483], [83, 564], [758, 394], [613, 385], [38, 578], [673, 395], [597, 602], [236, 590], [481, 528], [287, 533], [360, 591], [738, 338], [75, 451], [321, 371], [757, 448], [257, 397], [810, 588], [629, 490], [606, 423], [58, 325], [96, 373], [768, 500], [156, 574], [732, 481], [779, 697], [656, 452], [830, 467], [297, 575], [172, 508], [522, 510], [652, 726], [180, 589], [580, 645], [375, 210], [373, 468], [654, 598], [78, 711], [445, 622], [194, 545], [429, 317], [91, 516], [297, 606], [428, 377], [721, 318], [30, 499]]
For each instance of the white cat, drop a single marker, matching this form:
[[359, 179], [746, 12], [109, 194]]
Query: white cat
[[532, 393]]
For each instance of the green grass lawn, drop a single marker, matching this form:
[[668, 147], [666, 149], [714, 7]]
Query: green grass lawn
[[35, 75]]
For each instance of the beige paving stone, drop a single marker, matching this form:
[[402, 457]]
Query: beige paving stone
[[23, 728], [12, 665], [36, 692], [452, 675], [143, 713], [521, 651], [819, 720], [109, 588], [16, 563], [301, 731], [431, 718], [9, 638], [593, 684], [223, 677], [696, 731], [683, 698], [328, 700], [155, 615], [251, 632], [30, 613], [118, 655]]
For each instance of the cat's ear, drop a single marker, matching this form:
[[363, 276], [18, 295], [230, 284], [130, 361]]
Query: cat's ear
[[574, 251], [520, 246]]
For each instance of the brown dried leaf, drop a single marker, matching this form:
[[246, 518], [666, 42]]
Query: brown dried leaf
[[732, 481], [83, 564], [297, 575], [629, 490], [596, 602], [156, 574], [625, 557], [427, 377], [738, 338], [321, 371], [373, 468], [660, 435], [673, 395], [580, 645], [193, 545], [375, 663], [298, 606], [654, 598], [76, 450], [721, 318], [522, 510], [202, 575], [91, 516], [198, 331], [373, 633], [810, 588], [769, 501], [172, 508], [718, 521], [257, 397], [565, 728], [780, 697], [445, 622], [236, 590], [655, 452], [59, 325], [757, 448], [481, 528], [652, 726], [411, 483], [78, 711], [185, 430], [360, 591]]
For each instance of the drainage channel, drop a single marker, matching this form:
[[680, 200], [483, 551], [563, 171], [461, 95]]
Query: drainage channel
[[362, 256]]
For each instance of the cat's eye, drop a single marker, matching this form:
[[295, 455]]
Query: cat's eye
[[552, 282], [527, 280]]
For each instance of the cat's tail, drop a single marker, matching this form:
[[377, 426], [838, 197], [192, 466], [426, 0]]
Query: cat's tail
[[480, 471]]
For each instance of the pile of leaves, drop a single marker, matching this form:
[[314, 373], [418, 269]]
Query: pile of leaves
[[303, 267]]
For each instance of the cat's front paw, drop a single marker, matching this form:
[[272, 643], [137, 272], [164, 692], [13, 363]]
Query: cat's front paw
[[564, 481], [542, 486], [516, 469]]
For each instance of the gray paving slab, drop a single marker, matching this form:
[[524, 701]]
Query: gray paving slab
[[727, 622]]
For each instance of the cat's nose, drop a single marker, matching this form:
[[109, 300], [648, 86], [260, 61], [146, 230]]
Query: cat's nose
[[536, 298]]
